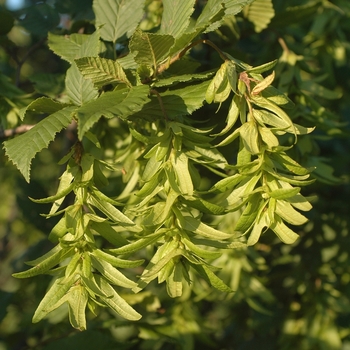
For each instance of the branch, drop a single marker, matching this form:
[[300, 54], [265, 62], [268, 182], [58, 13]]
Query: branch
[[173, 59], [19, 130]]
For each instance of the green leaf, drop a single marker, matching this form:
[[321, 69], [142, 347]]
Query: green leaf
[[260, 13], [248, 217], [176, 16], [260, 224], [120, 103], [149, 48], [105, 230], [75, 46], [115, 301], [262, 68], [250, 136], [284, 193], [101, 71], [176, 102], [22, 149], [79, 90], [138, 244], [180, 166], [211, 278], [42, 105], [203, 253], [232, 116], [289, 214], [110, 211], [117, 18], [59, 196], [110, 273], [195, 226], [56, 292], [43, 266], [77, 299], [116, 262], [284, 233], [183, 78], [263, 84], [219, 87], [174, 281]]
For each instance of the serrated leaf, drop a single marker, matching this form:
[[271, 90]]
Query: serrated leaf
[[102, 71], [42, 105], [117, 18], [260, 13], [22, 149], [149, 48], [79, 90], [120, 103], [284, 233], [176, 16], [75, 46]]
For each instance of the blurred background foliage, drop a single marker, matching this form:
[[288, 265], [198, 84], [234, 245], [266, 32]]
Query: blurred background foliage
[[288, 297]]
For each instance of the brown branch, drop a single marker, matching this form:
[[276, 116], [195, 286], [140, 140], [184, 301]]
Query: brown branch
[[173, 59], [19, 130]]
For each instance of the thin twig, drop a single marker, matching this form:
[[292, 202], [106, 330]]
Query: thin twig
[[18, 130], [173, 59]]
